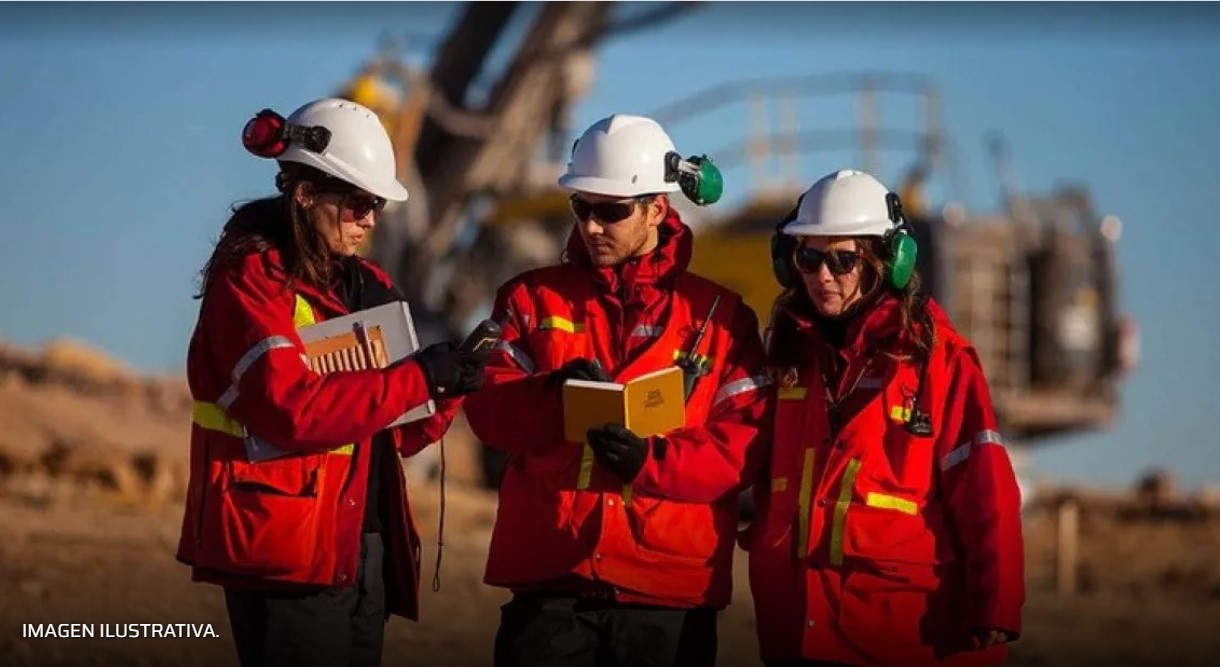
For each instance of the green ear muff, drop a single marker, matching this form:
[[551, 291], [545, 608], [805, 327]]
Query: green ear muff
[[900, 247], [782, 247], [699, 177], [781, 260], [900, 263]]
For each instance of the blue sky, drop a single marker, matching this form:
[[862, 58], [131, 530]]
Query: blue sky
[[120, 132]]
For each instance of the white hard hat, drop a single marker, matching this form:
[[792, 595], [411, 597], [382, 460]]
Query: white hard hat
[[845, 203], [621, 156], [359, 151]]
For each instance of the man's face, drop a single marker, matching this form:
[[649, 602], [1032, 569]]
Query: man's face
[[615, 229]]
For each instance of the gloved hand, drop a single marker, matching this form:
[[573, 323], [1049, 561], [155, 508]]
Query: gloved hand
[[577, 369], [451, 372], [620, 450]]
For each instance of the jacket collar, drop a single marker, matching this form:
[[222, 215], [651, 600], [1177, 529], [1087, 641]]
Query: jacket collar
[[658, 269], [879, 324], [274, 262]]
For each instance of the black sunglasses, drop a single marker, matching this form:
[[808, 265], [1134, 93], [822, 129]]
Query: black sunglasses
[[840, 262], [362, 203], [607, 212]]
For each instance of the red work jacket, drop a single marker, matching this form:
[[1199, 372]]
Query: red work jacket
[[874, 546], [292, 521], [667, 538]]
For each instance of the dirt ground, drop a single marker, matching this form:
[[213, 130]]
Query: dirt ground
[[87, 557], [90, 506]]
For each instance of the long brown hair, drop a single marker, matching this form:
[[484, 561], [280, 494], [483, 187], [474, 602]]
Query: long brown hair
[[785, 354], [278, 222]]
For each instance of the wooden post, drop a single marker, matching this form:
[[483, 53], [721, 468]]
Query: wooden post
[[1067, 552]]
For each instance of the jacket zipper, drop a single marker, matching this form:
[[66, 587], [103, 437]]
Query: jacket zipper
[[622, 321]]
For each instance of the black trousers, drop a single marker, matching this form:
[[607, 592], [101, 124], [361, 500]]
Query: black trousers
[[332, 627], [539, 630]]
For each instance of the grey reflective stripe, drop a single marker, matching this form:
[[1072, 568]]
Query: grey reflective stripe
[[252, 355], [955, 457], [643, 331], [962, 451], [518, 356], [988, 437], [871, 383], [738, 386]]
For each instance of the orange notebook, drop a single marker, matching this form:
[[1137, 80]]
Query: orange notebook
[[651, 404]]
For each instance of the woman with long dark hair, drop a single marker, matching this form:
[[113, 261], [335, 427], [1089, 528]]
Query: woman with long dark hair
[[296, 503], [888, 532]]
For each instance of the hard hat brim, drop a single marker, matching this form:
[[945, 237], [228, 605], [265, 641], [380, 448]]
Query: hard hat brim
[[390, 190], [609, 187]]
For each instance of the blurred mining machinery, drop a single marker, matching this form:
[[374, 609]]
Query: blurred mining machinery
[[482, 137]]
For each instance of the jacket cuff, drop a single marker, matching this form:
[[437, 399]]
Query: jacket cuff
[[647, 478]]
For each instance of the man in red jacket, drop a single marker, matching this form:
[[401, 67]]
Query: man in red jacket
[[619, 549], [315, 547], [888, 531]]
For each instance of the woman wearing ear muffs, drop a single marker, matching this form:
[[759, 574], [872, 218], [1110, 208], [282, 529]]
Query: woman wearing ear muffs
[[888, 531], [296, 504]]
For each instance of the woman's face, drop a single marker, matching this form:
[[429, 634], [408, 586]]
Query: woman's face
[[830, 268], [343, 219]]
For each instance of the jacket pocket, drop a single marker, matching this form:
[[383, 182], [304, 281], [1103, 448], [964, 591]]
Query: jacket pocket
[[269, 516], [890, 528], [678, 529]]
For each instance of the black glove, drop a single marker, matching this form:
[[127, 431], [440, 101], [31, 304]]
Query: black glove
[[620, 450], [577, 369], [451, 372]]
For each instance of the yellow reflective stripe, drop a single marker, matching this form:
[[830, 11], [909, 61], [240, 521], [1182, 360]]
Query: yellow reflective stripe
[[211, 417], [900, 414], [586, 468], [700, 359], [791, 393], [836, 535], [803, 502], [560, 324], [626, 493], [779, 484], [891, 502], [302, 313]]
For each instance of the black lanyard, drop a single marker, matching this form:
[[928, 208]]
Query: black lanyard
[[834, 412]]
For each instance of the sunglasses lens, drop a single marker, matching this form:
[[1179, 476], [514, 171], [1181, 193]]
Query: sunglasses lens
[[840, 263], [361, 206], [607, 212]]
